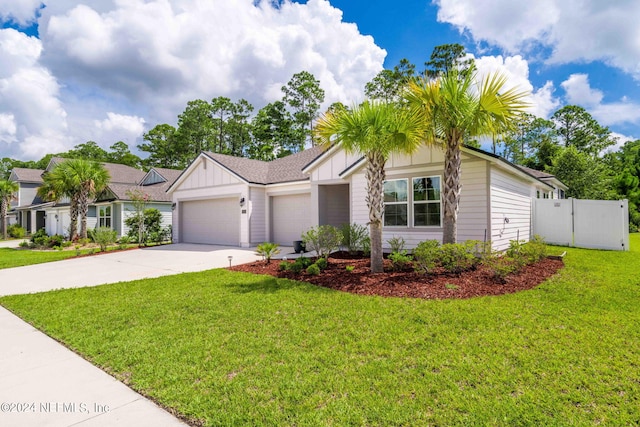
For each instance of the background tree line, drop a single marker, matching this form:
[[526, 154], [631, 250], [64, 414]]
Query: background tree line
[[571, 144]]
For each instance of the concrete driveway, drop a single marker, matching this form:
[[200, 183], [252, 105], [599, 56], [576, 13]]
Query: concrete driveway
[[120, 266]]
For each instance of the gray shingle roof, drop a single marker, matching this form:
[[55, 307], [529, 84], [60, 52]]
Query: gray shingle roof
[[286, 169], [119, 173], [536, 173], [28, 175]]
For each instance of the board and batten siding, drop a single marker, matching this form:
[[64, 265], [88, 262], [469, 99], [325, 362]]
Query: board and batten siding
[[208, 180], [256, 209], [510, 208], [335, 164]]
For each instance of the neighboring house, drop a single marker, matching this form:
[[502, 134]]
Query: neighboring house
[[235, 201], [28, 210], [110, 208]]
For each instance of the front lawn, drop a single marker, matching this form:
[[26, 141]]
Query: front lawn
[[226, 348], [10, 257]]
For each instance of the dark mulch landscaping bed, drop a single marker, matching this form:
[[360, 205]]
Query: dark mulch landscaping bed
[[438, 285]]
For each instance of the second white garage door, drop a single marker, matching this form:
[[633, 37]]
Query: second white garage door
[[290, 217], [214, 222]]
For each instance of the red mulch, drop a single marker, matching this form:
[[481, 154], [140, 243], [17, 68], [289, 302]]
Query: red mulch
[[439, 285]]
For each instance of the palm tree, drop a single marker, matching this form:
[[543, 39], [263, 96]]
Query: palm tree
[[457, 108], [374, 129], [8, 191], [80, 180]]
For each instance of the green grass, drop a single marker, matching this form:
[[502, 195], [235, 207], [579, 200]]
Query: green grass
[[227, 348], [10, 257]]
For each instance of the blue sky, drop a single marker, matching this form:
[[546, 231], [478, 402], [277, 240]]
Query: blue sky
[[110, 70]]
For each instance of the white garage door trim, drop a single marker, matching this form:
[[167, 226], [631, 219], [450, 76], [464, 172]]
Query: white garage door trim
[[290, 217], [210, 221]]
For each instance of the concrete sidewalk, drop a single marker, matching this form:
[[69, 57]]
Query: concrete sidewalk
[[42, 383]]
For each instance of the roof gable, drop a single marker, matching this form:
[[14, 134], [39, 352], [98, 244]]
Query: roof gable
[[26, 175]]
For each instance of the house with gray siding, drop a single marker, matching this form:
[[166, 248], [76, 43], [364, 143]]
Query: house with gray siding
[[109, 209], [28, 209], [241, 202]]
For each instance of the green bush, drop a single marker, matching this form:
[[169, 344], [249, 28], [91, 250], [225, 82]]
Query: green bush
[[15, 231], [40, 238], [284, 265], [354, 237], [456, 257], [501, 266], [303, 261], [313, 269], [396, 244], [323, 239], [425, 256], [104, 236], [535, 250], [267, 250], [400, 260], [152, 220], [322, 263]]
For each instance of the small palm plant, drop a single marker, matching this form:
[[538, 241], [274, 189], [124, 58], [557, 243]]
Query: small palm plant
[[267, 250]]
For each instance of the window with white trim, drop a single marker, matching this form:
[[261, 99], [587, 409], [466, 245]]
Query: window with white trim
[[396, 202], [419, 208], [104, 216], [426, 202]]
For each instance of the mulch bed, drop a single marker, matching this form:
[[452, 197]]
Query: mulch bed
[[439, 285]]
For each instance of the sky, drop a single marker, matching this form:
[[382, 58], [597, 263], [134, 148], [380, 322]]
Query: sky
[[110, 70]]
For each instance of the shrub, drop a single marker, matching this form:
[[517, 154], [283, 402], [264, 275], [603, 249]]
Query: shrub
[[104, 236], [24, 244], [323, 239], [284, 265], [501, 266], [303, 261], [396, 244], [535, 250], [267, 250], [296, 267], [354, 237], [40, 238], [425, 256], [456, 257], [322, 263], [15, 231], [152, 220], [400, 260], [366, 246], [313, 269]]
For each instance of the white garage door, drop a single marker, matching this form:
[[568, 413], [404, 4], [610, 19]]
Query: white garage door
[[290, 217], [215, 222]]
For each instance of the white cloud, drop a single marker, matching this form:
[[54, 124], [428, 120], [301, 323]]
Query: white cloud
[[573, 30], [164, 53], [620, 141], [130, 124], [29, 96], [516, 69], [20, 11], [7, 128], [579, 92], [102, 70]]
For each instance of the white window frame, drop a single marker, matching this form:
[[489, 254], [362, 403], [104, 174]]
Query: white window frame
[[102, 219], [410, 202], [427, 202], [397, 203]]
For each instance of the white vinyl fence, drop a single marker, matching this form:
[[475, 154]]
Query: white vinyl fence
[[597, 224]]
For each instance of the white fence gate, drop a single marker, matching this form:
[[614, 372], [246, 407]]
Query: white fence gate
[[597, 224]]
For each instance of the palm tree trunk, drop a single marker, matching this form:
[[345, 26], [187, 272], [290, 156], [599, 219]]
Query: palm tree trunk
[[375, 176], [83, 207], [73, 227], [3, 215], [452, 187]]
